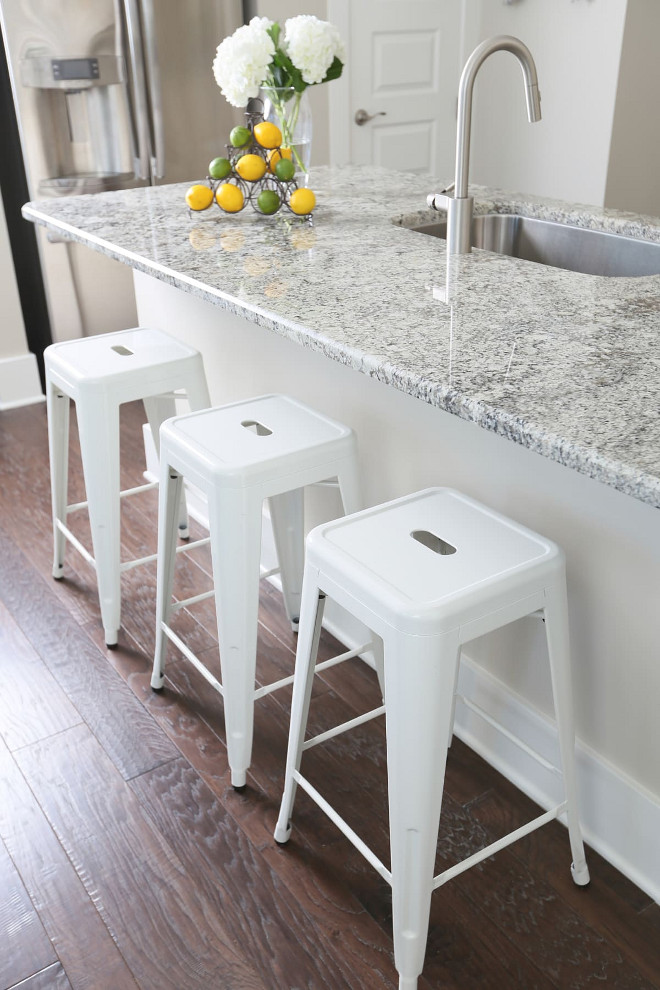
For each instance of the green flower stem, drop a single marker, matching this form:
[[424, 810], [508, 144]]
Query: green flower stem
[[287, 126]]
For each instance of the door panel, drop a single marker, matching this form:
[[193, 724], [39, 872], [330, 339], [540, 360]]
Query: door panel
[[404, 69]]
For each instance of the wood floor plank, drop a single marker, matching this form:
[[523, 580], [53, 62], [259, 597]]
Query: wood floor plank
[[32, 704], [26, 948], [602, 905], [126, 731], [261, 914], [82, 942], [52, 978], [169, 934]]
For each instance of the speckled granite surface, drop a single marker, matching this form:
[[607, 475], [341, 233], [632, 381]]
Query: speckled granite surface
[[565, 364]]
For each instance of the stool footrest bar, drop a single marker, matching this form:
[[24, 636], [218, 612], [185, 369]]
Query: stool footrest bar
[[494, 847], [75, 506], [343, 827], [175, 606], [189, 655], [267, 574], [191, 546], [128, 565], [75, 542], [344, 727], [509, 735], [341, 657]]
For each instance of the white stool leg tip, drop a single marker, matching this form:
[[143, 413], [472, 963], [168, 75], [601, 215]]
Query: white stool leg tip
[[111, 639], [157, 682], [58, 571], [238, 779], [184, 533], [407, 983], [580, 874], [294, 625], [282, 833]]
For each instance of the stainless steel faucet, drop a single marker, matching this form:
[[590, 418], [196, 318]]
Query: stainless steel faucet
[[459, 206]]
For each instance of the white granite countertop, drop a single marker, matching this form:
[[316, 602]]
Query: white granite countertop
[[565, 364]]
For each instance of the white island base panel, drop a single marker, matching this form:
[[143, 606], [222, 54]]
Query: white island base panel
[[612, 544]]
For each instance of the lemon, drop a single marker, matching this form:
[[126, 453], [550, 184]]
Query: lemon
[[219, 168], [302, 201], [199, 197], [268, 201], [285, 170], [268, 135], [277, 155], [251, 167], [239, 137], [229, 198]]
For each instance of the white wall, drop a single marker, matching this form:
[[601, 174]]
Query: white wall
[[633, 180], [576, 45], [19, 375], [13, 341]]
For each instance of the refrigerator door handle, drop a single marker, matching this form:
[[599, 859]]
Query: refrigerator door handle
[[151, 52], [141, 101]]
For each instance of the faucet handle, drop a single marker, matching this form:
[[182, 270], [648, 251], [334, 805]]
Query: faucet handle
[[440, 201]]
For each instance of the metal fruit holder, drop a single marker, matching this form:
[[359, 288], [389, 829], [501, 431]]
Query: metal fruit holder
[[251, 190]]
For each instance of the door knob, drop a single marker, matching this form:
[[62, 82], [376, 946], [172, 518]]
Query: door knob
[[362, 117]]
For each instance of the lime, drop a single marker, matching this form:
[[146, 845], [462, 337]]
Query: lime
[[219, 168], [251, 167], [302, 201], [268, 201], [239, 136], [285, 169], [199, 197], [229, 198], [268, 135], [275, 156]]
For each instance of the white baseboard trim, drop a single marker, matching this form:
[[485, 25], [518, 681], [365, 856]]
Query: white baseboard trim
[[619, 818], [19, 382]]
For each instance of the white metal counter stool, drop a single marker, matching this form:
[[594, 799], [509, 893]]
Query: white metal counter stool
[[427, 573], [100, 373], [268, 447]]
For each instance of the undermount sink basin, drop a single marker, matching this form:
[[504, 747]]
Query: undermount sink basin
[[592, 252]]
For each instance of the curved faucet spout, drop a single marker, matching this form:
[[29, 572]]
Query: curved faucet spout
[[501, 43], [459, 206]]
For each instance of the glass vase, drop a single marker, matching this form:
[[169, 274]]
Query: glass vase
[[292, 114]]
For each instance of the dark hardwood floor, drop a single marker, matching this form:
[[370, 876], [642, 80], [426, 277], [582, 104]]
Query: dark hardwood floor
[[127, 860]]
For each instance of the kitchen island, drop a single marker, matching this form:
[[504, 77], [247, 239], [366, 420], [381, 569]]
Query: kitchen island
[[439, 371]]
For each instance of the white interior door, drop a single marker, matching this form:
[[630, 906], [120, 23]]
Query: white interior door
[[404, 63]]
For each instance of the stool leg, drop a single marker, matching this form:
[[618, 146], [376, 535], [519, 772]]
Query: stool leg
[[556, 626], [287, 517], [311, 619], [350, 488], [159, 408], [58, 406], [235, 525], [98, 427], [419, 676], [169, 500]]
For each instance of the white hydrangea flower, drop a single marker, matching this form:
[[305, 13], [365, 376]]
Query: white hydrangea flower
[[312, 45], [242, 61]]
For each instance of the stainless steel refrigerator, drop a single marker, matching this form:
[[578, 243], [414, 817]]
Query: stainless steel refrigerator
[[111, 94]]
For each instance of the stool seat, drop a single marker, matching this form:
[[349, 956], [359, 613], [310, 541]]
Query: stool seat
[[99, 374], [243, 443], [431, 560], [134, 361], [238, 455], [426, 574]]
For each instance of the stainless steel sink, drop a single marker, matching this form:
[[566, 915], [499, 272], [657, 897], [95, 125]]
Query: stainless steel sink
[[575, 249]]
